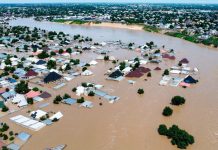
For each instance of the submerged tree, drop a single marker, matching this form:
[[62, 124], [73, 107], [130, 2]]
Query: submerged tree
[[22, 87]]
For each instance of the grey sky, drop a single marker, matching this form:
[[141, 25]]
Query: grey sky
[[111, 1]]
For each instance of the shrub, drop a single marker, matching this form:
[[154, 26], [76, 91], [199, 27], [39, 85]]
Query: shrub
[[84, 84], [84, 68], [149, 74], [5, 136], [166, 72], [4, 148], [66, 96], [4, 128], [5, 108], [91, 93], [11, 138], [106, 58], [30, 101], [35, 89], [114, 61], [11, 133], [74, 89], [167, 111], [177, 100], [162, 130], [140, 91], [55, 102], [55, 120], [80, 100]]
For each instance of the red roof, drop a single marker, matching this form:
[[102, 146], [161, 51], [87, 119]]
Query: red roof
[[138, 72], [168, 56], [32, 94], [31, 73], [143, 70], [135, 73], [184, 61], [157, 68]]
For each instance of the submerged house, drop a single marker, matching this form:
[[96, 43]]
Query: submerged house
[[52, 77], [8, 95], [20, 100], [31, 74], [40, 62], [190, 80], [139, 72], [116, 74], [184, 61]]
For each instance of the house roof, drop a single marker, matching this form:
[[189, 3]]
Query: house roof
[[52, 76], [157, 68], [69, 101], [13, 146], [168, 56], [135, 73], [45, 95], [8, 94], [138, 72], [32, 94], [184, 61], [41, 62], [190, 80], [116, 74], [23, 136], [31, 73], [143, 69]]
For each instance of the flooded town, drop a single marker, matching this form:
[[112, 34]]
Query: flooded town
[[88, 79]]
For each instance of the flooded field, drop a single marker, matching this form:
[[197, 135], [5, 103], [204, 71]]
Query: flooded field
[[132, 122]]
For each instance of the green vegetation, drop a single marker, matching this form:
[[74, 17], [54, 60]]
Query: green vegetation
[[122, 65], [22, 87], [91, 93], [211, 41], [66, 96], [140, 91], [177, 100], [78, 22], [166, 72], [51, 64], [43, 55], [60, 20], [167, 111], [151, 28], [184, 36], [81, 100], [74, 89], [5, 108], [106, 58], [57, 99], [35, 89], [194, 38], [30, 101], [179, 137]]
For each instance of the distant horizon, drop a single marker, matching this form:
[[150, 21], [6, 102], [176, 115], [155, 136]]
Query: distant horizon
[[108, 1]]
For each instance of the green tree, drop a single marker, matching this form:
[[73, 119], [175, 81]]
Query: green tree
[[177, 100], [167, 111], [140, 91], [22, 87]]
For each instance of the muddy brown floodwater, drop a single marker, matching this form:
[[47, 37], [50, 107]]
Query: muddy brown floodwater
[[131, 123]]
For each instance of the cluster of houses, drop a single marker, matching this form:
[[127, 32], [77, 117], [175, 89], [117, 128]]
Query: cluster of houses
[[180, 75]]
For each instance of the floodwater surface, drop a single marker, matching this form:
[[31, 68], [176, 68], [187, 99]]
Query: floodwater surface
[[132, 122]]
